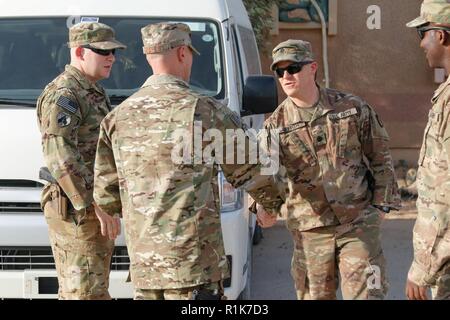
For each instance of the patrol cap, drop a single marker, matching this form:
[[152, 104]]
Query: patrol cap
[[97, 35], [292, 50], [435, 11], [161, 37]]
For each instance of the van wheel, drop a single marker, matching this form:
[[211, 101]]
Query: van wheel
[[246, 293], [258, 235]]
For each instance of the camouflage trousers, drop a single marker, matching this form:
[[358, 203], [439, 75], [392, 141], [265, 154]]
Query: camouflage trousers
[[441, 290], [82, 255], [352, 251], [178, 294]]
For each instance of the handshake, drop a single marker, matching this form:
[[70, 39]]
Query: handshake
[[263, 218]]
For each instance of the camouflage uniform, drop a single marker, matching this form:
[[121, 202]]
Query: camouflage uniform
[[170, 210], [69, 111], [331, 192], [431, 234]]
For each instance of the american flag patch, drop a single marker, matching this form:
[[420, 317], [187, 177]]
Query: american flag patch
[[67, 104]]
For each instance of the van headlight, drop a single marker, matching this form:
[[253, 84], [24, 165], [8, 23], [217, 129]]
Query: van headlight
[[231, 199]]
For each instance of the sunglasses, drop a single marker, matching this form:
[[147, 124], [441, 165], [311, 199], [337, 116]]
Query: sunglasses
[[423, 30], [101, 51], [291, 69]]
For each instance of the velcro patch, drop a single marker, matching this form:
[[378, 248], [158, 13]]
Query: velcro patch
[[67, 104], [433, 115], [89, 19], [344, 114], [293, 127]]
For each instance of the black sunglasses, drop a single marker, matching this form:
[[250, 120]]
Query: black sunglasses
[[423, 30], [101, 52], [291, 69]]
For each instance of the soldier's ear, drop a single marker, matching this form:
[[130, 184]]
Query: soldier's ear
[[443, 37], [79, 52], [314, 67], [181, 53]]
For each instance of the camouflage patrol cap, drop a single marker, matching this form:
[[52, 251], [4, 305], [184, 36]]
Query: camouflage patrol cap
[[292, 50], [95, 34], [435, 11], [161, 37]]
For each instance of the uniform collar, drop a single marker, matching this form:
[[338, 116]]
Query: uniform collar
[[159, 79], [324, 101], [323, 104], [81, 79], [440, 90]]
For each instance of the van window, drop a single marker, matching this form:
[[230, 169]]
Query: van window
[[250, 50], [34, 51]]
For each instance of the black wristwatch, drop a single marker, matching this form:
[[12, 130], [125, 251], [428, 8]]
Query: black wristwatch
[[383, 208]]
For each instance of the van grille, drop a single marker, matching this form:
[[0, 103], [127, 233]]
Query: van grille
[[23, 207], [20, 184], [42, 258]]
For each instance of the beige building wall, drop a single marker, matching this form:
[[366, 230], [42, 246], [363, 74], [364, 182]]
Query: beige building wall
[[386, 67]]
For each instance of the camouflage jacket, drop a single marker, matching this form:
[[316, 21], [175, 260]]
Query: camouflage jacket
[[171, 210], [70, 110], [328, 182], [431, 235]]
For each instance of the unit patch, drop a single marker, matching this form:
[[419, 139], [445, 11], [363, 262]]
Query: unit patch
[[63, 119]]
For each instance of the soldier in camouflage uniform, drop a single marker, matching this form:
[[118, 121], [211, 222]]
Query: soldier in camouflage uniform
[[171, 208], [431, 235], [69, 111], [335, 202]]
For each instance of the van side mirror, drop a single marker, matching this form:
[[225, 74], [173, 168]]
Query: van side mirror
[[260, 95]]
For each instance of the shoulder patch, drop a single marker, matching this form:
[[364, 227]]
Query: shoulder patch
[[63, 119], [67, 104], [344, 114]]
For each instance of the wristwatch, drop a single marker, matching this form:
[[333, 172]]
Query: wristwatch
[[385, 209]]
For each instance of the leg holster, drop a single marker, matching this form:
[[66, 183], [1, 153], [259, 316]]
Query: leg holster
[[54, 202]]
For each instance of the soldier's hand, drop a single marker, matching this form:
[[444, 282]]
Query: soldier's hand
[[264, 219], [415, 292], [110, 226]]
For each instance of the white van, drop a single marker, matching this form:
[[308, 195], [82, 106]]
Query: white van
[[33, 51]]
